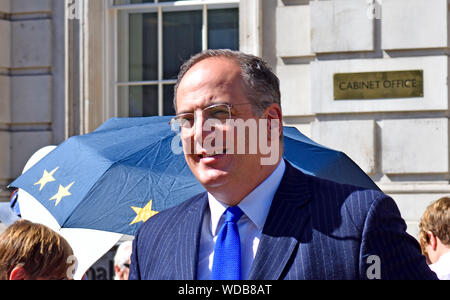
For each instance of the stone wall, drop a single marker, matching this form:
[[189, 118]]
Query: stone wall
[[403, 144], [31, 79]]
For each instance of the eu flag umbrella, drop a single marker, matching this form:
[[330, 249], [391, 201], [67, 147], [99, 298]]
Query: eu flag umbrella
[[117, 177]]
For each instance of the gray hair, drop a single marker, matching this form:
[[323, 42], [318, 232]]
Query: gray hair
[[261, 84]]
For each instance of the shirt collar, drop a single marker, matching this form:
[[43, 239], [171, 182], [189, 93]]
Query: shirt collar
[[445, 259], [255, 205]]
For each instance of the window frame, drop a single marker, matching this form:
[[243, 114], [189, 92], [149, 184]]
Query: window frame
[[114, 62]]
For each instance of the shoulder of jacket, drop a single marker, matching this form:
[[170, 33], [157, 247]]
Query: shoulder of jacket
[[167, 219]]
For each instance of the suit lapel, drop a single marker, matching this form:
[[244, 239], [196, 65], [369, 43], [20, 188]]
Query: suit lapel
[[186, 256], [286, 226]]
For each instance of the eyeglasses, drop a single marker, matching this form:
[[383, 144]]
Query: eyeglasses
[[216, 114]]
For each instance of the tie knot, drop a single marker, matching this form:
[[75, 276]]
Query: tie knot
[[233, 214]]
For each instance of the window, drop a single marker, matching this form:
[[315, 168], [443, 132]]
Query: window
[[153, 39]]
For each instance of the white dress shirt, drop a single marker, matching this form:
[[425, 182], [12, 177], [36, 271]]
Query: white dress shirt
[[442, 267], [255, 206]]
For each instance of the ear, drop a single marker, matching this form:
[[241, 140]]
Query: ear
[[18, 273], [432, 240], [273, 112]]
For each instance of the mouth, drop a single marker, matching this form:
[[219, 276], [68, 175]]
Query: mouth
[[212, 156]]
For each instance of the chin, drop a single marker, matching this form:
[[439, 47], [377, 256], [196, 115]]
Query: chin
[[212, 178]]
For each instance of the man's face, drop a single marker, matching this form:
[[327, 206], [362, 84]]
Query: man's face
[[216, 81]]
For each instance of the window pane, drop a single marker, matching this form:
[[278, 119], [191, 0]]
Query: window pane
[[142, 101], [141, 1], [182, 37], [168, 100], [223, 29], [120, 2], [143, 47]]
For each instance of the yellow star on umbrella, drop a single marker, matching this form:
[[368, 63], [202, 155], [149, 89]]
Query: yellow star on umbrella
[[62, 192], [46, 178], [143, 214]]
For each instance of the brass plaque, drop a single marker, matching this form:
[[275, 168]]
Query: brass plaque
[[378, 85]]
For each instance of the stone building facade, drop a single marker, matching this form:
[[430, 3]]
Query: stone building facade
[[32, 81], [66, 66]]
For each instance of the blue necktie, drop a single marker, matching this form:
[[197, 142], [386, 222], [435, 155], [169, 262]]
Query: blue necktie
[[227, 251]]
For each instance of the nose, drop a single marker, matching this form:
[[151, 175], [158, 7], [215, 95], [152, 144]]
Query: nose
[[193, 138], [198, 128], [204, 134]]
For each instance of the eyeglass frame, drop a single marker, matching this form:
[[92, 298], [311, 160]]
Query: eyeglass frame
[[229, 106]]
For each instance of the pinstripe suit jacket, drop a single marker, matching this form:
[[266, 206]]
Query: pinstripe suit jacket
[[316, 229]]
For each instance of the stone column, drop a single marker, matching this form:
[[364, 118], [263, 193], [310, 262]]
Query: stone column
[[5, 92]]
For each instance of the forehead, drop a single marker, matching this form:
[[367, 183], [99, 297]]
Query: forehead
[[213, 68], [209, 80]]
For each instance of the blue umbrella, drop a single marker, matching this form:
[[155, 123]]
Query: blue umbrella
[[120, 175], [317, 160]]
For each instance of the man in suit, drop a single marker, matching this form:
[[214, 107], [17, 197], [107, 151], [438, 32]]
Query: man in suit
[[263, 220]]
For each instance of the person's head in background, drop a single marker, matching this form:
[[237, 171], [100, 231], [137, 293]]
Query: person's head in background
[[30, 251], [434, 233], [122, 261]]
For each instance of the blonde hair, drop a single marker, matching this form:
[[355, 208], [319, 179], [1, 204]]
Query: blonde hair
[[436, 219], [42, 252]]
